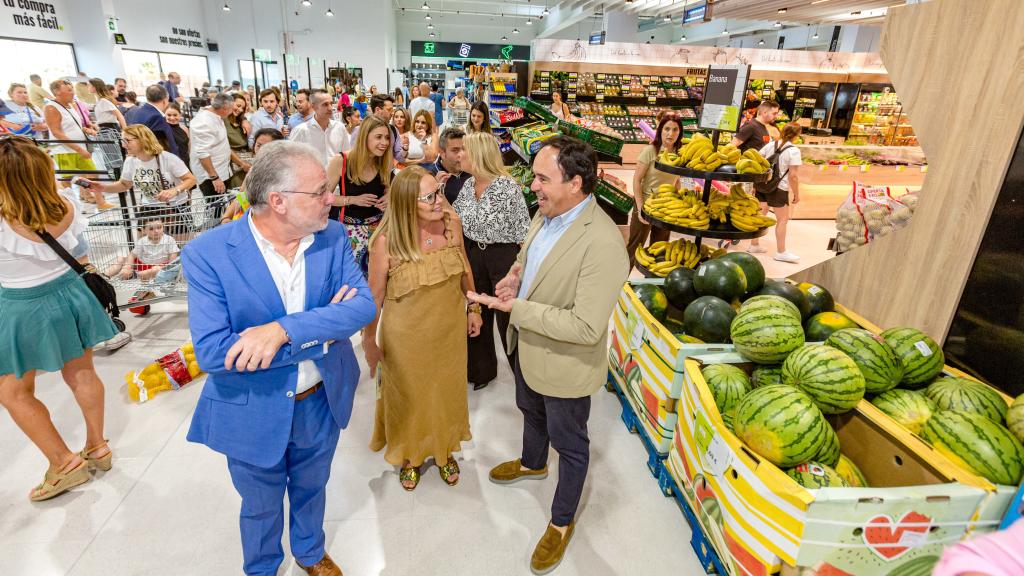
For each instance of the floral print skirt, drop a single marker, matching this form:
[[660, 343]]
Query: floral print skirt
[[359, 233]]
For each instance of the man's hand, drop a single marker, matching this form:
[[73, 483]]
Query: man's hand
[[492, 302], [218, 186], [256, 348], [508, 287], [343, 295], [475, 322]]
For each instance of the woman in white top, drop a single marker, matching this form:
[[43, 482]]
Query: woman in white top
[[778, 200], [558, 106], [422, 139], [161, 181], [459, 107], [107, 114], [50, 320]]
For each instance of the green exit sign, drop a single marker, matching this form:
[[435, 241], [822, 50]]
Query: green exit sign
[[429, 48]]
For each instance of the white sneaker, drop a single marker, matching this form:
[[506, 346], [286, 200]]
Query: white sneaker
[[787, 257], [753, 249], [120, 340]]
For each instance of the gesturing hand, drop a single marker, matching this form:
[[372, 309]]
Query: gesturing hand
[[508, 287], [256, 348], [492, 302]]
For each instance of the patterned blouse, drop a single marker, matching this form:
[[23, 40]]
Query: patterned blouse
[[500, 216]]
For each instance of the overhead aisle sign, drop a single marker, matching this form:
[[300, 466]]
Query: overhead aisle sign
[[723, 97]]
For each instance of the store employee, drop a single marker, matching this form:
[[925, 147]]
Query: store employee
[[754, 134]]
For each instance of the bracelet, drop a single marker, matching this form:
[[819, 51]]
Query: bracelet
[[474, 308]]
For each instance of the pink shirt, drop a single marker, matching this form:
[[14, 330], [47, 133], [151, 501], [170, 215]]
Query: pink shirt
[[996, 554]]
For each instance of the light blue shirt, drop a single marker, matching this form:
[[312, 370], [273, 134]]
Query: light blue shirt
[[297, 119], [550, 232], [25, 115], [260, 119]]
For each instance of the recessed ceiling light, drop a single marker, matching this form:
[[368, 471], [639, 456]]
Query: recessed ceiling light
[[782, 10]]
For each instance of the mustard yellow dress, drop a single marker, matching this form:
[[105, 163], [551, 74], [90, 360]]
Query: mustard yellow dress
[[422, 409]]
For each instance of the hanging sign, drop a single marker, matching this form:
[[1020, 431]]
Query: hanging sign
[[723, 97]]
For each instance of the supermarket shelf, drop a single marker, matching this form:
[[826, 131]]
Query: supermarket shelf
[[715, 230], [601, 156], [720, 176]]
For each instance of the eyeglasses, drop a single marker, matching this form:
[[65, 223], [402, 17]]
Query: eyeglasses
[[323, 191], [432, 197]]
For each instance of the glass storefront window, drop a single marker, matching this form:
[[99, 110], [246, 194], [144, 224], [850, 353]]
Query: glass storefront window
[[49, 60], [144, 69]]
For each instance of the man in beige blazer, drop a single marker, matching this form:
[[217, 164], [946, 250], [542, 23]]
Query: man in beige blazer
[[560, 294]]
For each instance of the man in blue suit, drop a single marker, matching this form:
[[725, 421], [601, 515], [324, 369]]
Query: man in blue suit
[[273, 299], [151, 115]]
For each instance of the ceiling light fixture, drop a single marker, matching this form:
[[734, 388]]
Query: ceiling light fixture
[[427, 17], [668, 18], [307, 2], [515, 30], [778, 24], [782, 10], [760, 42], [430, 26], [725, 32], [529, 22], [330, 13], [683, 39], [816, 32], [432, 34], [226, 8], [425, 7], [504, 38]]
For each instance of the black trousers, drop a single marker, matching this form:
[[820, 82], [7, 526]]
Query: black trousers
[[562, 423], [489, 266], [207, 189]]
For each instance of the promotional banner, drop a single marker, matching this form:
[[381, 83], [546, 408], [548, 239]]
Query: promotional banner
[[35, 20]]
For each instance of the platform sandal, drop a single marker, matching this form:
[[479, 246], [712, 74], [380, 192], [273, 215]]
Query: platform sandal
[[451, 468], [104, 462], [409, 474], [57, 483]]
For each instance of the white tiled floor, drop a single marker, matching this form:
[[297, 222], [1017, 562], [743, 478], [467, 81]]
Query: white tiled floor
[[168, 507]]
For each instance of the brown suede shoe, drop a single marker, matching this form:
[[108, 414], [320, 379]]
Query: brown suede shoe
[[549, 551], [325, 567], [510, 472]]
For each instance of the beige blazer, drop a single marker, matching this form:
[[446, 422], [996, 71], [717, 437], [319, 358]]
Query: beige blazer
[[561, 327]]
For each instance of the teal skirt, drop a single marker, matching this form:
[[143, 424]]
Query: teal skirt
[[43, 327]]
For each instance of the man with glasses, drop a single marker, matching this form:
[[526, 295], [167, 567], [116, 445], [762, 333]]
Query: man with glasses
[[325, 134], [278, 296]]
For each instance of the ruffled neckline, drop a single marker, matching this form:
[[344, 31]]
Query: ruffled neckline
[[14, 243]]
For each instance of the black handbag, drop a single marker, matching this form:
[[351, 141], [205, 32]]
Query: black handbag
[[97, 284]]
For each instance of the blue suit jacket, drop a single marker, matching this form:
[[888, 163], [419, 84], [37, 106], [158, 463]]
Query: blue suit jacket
[[248, 415], [147, 115]]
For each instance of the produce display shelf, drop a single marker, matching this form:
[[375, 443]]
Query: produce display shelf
[[643, 270], [715, 230], [601, 156], [720, 176]]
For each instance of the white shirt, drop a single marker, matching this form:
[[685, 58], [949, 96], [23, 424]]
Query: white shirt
[[105, 112], [421, 103], [153, 177], [71, 123], [156, 253], [25, 263], [209, 139], [416, 146], [290, 280], [328, 143], [790, 157]]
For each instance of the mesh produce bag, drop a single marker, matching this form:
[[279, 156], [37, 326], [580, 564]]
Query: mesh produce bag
[[850, 225]]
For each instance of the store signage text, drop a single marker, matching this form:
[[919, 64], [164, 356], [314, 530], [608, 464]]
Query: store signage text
[[468, 50], [184, 37], [34, 14]]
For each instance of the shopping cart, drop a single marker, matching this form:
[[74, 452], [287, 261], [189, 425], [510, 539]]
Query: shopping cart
[[138, 247]]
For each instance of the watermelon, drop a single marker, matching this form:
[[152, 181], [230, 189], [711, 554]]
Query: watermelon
[[813, 475], [720, 278], [708, 318], [653, 298], [919, 566], [672, 325], [789, 292], [781, 423], [827, 375], [850, 472], [770, 300], [679, 288], [910, 408], [766, 334], [878, 363], [751, 266], [1015, 418], [963, 395], [818, 297], [728, 384], [766, 376], [729, 418], [829, 453], [977, 443], [820, 326], [921, 356]]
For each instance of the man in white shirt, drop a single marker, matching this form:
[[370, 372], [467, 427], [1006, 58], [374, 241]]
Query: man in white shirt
[[424, 102], [210, 154], [325, 134]]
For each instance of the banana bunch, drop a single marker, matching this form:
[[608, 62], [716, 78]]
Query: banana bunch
[[679, 207], [751, 162], [745, 212], [718, 206], [663, 257], [673, 158]]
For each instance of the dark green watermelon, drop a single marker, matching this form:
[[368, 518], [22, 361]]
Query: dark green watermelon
[[751, 266], [720, 278], [818, 297], [709, 318], [789, 292], [820, 326], [674, 326], [679, 287], [653, 298]]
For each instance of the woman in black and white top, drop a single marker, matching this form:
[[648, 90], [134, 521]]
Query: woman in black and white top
[[494, 222]]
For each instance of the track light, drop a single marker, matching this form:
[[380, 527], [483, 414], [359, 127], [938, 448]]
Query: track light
[[226, 8]]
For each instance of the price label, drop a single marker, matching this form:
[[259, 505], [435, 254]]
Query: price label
[[573, 75], [864, 167], [651, 99], [715, 454], [600, 76], [600, 97], [572, 85], [638, 336], [843, 167], [923, 348], [545, 74], [572, 96]]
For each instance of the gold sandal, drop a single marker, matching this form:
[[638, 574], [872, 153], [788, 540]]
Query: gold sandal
[[57, 483], [409, 474], [104, 462], [451, 468]]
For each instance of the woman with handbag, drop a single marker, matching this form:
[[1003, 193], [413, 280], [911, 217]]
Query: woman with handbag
[[50, 317]]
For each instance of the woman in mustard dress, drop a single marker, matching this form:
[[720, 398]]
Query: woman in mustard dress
[[419, 276]]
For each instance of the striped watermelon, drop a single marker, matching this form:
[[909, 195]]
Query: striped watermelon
[[729, 418], [829, 453], [827, 375], [878, 363], [765, 300], [849, 471], [780, 423], [911, 408], [817, 475], [766, 335], [728, 384], [977, 443], [1014, 417], [963, 395], [921, 356], [766, 375]]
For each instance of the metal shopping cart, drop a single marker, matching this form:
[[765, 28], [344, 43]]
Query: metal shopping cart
[[138, 247]]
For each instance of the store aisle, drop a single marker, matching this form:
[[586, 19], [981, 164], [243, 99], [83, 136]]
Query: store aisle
[[168, 508]]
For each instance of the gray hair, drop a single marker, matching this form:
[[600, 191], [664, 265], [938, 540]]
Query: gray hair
[[450, 134], [221, 101], [319, 97], [156, 93], [277, 168]]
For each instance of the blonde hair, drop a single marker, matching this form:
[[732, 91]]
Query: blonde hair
[[147, 140], [28, 189], [484, 155], [360, 157], [399, 225], [429, 121]]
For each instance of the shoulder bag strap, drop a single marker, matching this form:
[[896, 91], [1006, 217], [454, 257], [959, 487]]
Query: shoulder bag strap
[[62, 252], [341, 184]]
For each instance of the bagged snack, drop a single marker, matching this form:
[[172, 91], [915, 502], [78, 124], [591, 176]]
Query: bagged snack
[[169, 372]]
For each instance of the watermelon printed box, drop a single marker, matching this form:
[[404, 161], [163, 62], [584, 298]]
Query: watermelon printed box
[[646, 363], [760, 520]]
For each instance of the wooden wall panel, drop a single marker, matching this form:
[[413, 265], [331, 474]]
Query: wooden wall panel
[[958, 66]]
